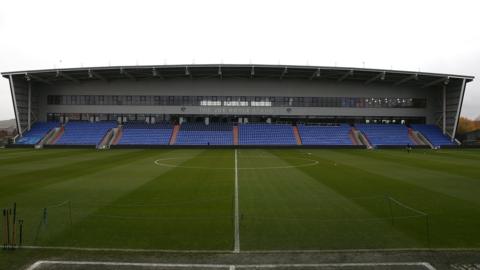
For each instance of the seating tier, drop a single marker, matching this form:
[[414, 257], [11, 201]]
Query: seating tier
[[85, 133], [388, 134], [135, 133], [37, 132], [266, 134], [201, 134], [434, 134], [325, 135]]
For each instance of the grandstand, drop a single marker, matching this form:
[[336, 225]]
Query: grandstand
[[236, 105], [223, 134]]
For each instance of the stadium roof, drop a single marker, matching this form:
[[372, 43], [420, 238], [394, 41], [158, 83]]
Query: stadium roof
[[367, 76]]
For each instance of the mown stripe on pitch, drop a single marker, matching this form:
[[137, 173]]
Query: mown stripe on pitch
[[170, 174], [25, 181], [433, 180], [415, 161], [43, 155], [404, 189], [342, 178]]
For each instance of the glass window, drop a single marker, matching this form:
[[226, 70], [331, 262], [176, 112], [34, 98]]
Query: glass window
[[171, 100], [346, 102]]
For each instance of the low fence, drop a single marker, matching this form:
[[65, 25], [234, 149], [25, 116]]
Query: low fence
[[128, 146]]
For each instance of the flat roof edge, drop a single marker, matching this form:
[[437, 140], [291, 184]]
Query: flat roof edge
[[38, 71]]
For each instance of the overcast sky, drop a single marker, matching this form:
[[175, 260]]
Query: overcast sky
[[431, 36]]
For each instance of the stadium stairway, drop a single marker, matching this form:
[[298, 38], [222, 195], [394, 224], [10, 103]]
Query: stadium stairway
[[235, 135], [53, 135], [417, 138], [56, 136], [422, 138], [173, 137], [118, 132], [107, 139], [297, 135], [361, 138], [353, 138]]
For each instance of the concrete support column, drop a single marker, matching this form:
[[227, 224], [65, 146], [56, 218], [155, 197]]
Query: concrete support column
[[207, 121], [15, 107], [459, 109], [444, 111], [29, 117]]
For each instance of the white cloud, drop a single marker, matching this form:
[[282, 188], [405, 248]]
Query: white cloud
[[436, 36]]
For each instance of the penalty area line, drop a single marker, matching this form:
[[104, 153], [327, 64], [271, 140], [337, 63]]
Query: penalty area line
[[132, 250], [132, 264]]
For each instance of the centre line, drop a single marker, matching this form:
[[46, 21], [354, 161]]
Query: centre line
[[237, 219]]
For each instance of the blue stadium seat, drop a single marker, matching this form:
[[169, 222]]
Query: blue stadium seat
[[266, 134], [392, 134], [84, 132], [136, 133], [201, 134], [37, 132], [434, 134], [325, 135]]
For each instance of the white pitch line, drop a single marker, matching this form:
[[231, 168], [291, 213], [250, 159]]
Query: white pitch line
[[37, 264], [246, 251], [339, 265], [93, 263], [237, 219], [132, 250]]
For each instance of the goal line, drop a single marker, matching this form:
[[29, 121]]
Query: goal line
[[38, 264]]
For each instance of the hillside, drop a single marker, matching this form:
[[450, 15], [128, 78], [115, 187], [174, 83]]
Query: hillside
[[7, 123]]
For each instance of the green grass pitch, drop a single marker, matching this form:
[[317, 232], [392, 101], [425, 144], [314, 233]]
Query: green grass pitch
[[288, 199]]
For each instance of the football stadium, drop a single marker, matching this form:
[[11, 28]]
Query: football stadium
[[238, 166]]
